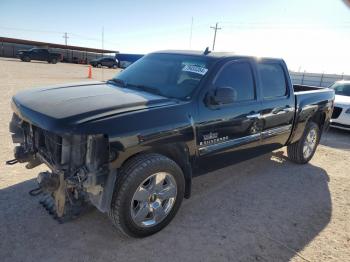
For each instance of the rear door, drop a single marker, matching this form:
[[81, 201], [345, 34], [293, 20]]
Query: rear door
[[111, 62], [35, 54], [278, 103], [107, 62], [42, 55]]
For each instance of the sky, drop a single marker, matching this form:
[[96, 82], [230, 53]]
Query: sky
[[311, 35]]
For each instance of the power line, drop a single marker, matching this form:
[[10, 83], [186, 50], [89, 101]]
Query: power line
[[30, 30], [216, 28]]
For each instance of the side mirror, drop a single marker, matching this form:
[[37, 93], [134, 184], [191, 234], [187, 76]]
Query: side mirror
[[222, 96]]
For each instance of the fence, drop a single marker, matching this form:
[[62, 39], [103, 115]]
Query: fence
[[315, 79]]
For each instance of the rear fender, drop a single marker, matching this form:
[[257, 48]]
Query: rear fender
[[320, 114]]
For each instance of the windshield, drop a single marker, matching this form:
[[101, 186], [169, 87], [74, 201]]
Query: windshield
[[342, 89], [169, 75]]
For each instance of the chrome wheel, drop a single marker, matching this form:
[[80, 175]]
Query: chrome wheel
[[153, 199], [310, 143]]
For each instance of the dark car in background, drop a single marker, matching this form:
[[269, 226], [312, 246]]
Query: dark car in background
[[127, 59], [40, 54], [104, 61]]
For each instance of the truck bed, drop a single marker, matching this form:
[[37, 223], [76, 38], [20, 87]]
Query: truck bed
[[302, 88], [307, 100]]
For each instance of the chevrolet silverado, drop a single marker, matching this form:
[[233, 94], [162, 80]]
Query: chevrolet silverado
[[131, 146]]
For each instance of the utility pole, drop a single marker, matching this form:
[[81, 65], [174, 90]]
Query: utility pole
[[103, 38], [216, 28], [191, 33], [103, 47], [65, 37]]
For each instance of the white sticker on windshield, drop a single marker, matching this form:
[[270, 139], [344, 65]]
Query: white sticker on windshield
[[195, 69]]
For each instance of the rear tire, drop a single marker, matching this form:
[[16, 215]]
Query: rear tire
[[303, 150], [53, 61], [99, 65], [26, 59], [140, 174]]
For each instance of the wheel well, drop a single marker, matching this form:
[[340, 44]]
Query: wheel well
[[179, 154], [319, 119]]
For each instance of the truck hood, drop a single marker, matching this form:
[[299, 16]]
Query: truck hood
[[64, 107]]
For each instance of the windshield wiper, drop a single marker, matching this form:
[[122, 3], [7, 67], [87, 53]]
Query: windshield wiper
[[122, 83], [146, 88], [117, 81]]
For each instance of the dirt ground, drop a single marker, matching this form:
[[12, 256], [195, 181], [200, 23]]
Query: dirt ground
[[264, 209]]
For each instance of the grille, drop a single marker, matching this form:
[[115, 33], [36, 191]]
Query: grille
[[336, 112]]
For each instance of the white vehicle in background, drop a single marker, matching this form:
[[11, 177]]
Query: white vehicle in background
[[341, 113]]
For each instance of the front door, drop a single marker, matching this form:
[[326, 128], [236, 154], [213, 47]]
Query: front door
[[230, 132]]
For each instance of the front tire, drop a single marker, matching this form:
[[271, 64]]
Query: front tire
[[147, 196], [303, 150]]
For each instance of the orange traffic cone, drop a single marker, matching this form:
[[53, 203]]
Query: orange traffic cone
[[90, 72]]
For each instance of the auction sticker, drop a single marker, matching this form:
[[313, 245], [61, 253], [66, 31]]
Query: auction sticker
[[195, 69]]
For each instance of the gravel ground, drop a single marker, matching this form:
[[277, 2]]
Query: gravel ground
[[264, 209]]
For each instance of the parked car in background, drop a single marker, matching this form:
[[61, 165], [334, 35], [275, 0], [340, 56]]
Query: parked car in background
[[40, 54], [341, 113], [104, 61], [77, 60], [130, 146], [127, 59]]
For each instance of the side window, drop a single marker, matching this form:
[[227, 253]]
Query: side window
[[272, 80], [239, 77]]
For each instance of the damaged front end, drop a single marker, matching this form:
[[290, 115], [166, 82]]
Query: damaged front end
[[79, 173]]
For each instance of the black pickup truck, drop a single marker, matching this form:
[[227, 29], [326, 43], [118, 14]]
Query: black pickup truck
[[40, 54], [130, 146]]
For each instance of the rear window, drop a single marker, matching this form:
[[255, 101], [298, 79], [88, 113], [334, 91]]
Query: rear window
[[272, 80]]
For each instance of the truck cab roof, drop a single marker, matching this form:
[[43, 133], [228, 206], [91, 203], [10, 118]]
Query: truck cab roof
[[217, 55]]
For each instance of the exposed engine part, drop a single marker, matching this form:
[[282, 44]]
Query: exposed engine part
[[22, 155], [60, 196], [63, 201], [48, 182], [35, 191], [33, 163], [72, 208], [79, 167], [12, 162]]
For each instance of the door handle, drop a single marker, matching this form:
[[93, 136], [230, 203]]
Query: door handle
[[254, 116], [281, 110]]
